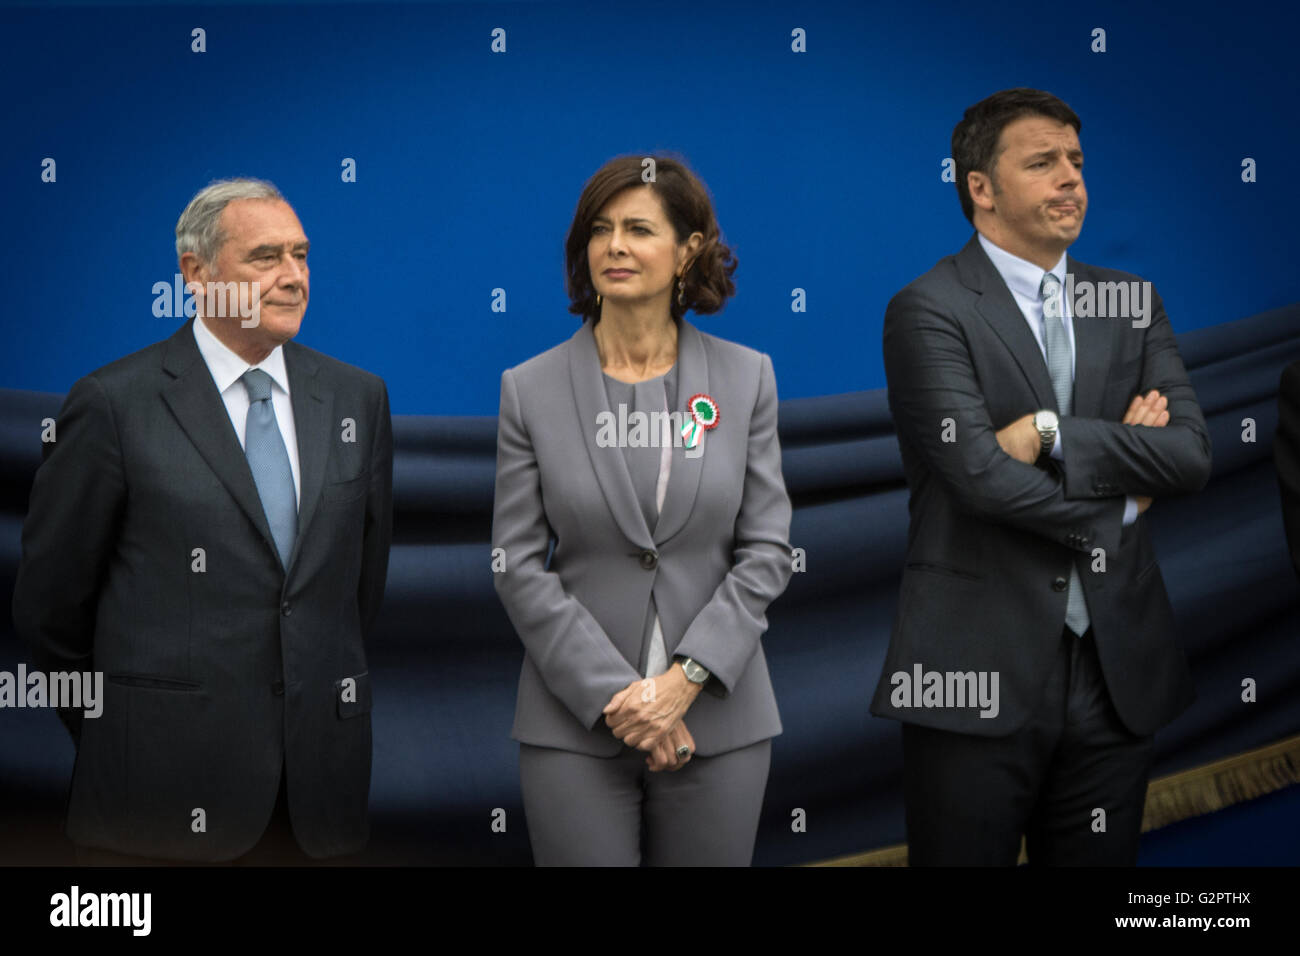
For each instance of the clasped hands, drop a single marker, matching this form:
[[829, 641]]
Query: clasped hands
[[1020, 439], [647, 714]]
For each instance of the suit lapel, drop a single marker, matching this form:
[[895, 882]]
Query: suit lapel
[[998, 308], [1092, 340], [608, 464], [197, 405], [311, 423], [684, 478]]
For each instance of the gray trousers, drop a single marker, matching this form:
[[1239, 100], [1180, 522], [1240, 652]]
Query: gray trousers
[[613, 811]]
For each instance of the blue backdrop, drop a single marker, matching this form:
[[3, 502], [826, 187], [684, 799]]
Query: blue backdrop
[[825, 166]]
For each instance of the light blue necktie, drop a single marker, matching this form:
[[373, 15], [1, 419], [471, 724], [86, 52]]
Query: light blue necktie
[[1059, 367], [269, 462]]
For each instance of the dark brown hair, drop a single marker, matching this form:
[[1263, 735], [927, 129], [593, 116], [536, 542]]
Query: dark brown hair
[[975, 139], [687, 206]]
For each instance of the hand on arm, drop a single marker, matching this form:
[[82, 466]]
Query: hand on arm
[[645, 711], [939, 410], [1021, 441], [1150, 410], [1163, 455]]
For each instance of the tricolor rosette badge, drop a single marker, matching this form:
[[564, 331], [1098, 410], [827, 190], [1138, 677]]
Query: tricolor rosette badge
[[702, 416]]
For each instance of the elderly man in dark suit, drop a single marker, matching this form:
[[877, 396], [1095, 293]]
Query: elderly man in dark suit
[[1039, 412], [210, 530]]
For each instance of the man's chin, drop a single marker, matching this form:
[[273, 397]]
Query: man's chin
[[1068, 231], [281, 328], [1070, 224]]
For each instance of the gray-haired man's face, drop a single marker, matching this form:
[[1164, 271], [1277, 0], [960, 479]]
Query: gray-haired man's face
[[265, 243]]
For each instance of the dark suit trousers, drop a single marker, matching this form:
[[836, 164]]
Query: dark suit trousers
[[613, 811], [277, 846], [969, 798]]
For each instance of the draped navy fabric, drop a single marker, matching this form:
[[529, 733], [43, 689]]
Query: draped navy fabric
[[444, 659]]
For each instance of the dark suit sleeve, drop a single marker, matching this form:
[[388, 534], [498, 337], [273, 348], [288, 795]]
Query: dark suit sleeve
[[378, 535], [68, 537], [931, 380], [1286, 456], [1138, 459], [725, 634], [578, 662]]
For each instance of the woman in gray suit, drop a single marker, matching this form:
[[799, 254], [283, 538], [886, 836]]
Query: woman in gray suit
[[647, 453]]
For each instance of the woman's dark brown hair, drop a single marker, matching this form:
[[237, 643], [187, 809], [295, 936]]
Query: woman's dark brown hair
[[685, 202]]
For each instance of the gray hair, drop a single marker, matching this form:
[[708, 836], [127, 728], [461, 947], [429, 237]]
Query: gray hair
[[199, 228]]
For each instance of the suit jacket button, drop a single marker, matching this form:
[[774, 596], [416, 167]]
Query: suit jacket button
[[1060, 584], [286, 609], [649, 559], [277, 688]]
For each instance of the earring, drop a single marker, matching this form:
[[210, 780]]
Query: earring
[[681, 290], [598, 300]]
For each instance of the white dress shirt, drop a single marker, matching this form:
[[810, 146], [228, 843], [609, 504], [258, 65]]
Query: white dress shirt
[[227, 368], [1024, 279], [657, 659]]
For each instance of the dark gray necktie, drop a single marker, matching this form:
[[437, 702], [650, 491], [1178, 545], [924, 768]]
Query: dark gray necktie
[[269, 462], [1059, 362]]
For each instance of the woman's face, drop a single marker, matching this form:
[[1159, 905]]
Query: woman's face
[[633, 253]]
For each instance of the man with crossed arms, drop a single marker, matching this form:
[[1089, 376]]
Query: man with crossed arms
[[1033, 441]]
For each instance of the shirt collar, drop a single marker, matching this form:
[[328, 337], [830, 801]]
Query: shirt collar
[[227, 368], [1021, 276]]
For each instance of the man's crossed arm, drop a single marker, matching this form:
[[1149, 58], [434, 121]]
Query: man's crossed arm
[[1020, 439]]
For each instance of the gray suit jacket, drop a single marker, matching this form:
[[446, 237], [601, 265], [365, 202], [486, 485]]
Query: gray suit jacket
[[217, 674], [991, 539], [717, 556]]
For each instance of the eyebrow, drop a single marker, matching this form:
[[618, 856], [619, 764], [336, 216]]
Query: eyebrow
[[1049, 153], [267, 248], [626, 220]]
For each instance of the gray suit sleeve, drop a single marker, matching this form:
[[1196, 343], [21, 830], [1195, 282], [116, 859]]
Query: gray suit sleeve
[[931, 380], [1138, 459], [577, 660], [725, 634], [72, 518]]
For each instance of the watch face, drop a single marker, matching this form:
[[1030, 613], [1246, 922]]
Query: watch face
[[1045, 419], [695, 671]]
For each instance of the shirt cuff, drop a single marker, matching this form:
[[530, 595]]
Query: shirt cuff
[[1056, 446], [1130, 510]]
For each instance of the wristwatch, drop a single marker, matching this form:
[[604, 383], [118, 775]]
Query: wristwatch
[[696, 672], [1046, 422]]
